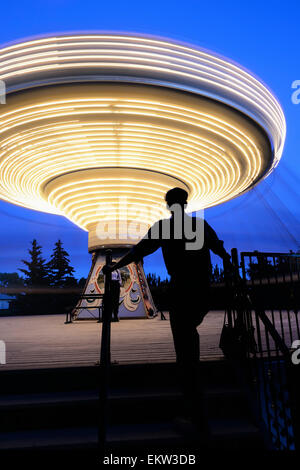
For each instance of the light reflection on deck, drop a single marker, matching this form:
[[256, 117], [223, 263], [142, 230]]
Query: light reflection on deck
[[45, 341]]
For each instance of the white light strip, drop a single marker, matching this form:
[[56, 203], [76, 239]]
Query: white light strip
[[142, 59], [215, 155], [74, 149]]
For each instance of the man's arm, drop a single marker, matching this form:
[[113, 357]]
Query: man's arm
[[145, 247], [214, 243]]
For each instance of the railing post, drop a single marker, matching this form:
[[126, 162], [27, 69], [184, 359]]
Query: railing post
[[230, 283], [235, 263], [99, 313], [105, 355]]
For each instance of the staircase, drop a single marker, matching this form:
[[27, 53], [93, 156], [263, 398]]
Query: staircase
[[58, 409]]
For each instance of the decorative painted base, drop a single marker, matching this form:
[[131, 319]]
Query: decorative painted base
[[135, 297]]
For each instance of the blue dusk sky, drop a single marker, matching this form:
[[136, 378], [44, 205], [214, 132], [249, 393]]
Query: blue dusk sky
[[263, 36]]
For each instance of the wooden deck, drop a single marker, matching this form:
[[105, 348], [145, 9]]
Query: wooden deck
[[45, 341]]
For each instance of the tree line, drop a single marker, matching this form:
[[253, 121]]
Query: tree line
[[284, 294], [57, 273], [160, 288], [38, 274]]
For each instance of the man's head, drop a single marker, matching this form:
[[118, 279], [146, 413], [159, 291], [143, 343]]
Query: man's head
[[176, 196]]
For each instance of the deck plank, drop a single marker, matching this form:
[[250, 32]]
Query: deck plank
[[45, 341]]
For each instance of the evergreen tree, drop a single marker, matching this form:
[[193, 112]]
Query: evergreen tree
[[217, 274], [262, 269], [36, 273], [82, 282], [160, 290], [60, 271]]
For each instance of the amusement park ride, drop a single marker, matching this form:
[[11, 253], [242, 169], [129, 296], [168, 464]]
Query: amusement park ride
[[97, 127]]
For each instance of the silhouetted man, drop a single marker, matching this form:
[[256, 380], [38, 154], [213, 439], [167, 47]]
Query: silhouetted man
[[186, 243], [116, 281]]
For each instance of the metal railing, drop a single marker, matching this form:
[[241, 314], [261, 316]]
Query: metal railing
[[105, 359], [79, 306], [264, 362]]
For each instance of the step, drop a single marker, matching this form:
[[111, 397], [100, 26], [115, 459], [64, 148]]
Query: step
[[125, 394], [81, 407], [225, 434], [80, 378]]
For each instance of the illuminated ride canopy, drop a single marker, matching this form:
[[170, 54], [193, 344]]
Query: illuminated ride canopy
[[99, 127]]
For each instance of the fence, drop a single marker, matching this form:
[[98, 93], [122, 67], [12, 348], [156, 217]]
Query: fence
[[263, 311]]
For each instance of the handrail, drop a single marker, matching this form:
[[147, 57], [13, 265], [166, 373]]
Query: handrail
[[273, 333], [261, 314], [270, 253], [105, 356], [272, 378], [78, 306]]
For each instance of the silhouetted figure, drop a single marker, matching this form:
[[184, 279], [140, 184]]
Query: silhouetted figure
[[162, 317], [186, 242], [116, 281]]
